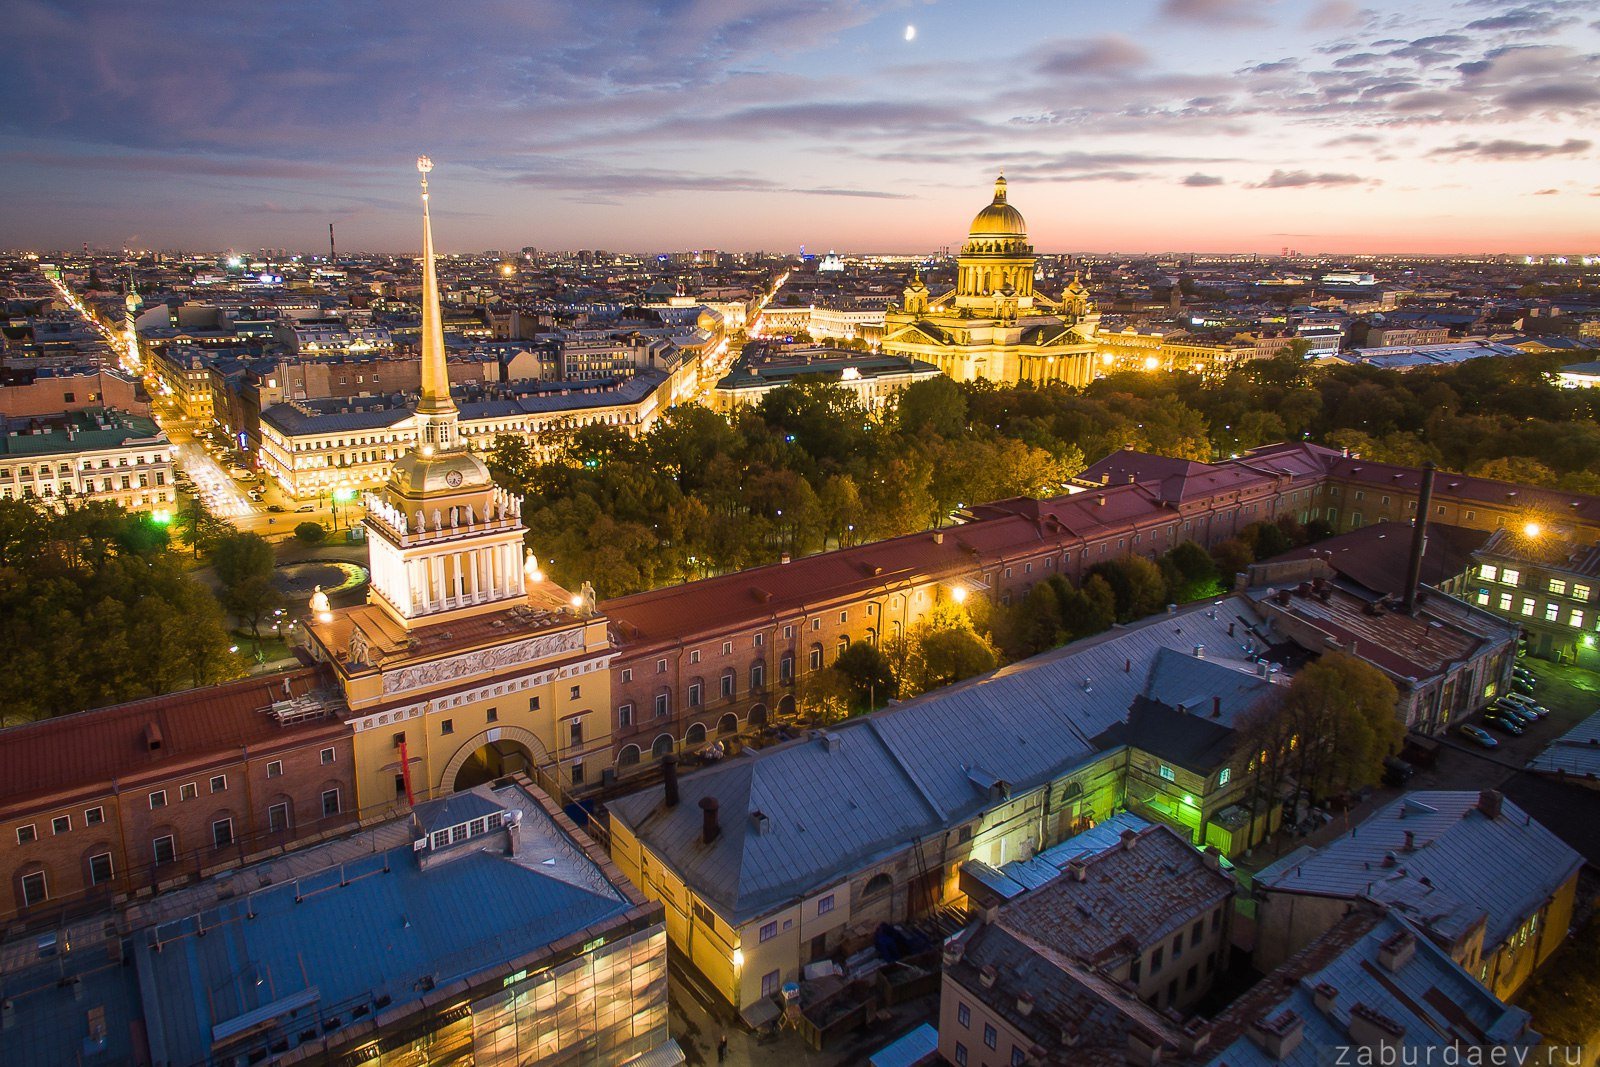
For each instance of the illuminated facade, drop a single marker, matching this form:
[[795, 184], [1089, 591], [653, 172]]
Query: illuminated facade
[[96, 454], [466, 663], [994, 325]]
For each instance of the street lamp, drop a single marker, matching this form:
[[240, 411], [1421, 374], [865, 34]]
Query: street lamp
[[1532, 529]]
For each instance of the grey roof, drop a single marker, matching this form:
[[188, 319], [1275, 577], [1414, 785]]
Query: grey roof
[[1463, 864], [923, 766], [1576, 752], [1438, 1004], [1019, 876]]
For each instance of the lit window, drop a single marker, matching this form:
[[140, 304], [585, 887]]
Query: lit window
[[1509, 576], [1483, 597], [1225, 776], [1580, 592], [1505, 601], [1577, 618], [1558, 586], [1552, 612], [1527, 605], [1166, 772], [1488, 572]]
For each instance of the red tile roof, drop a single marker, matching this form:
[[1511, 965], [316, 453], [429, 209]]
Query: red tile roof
[[90, 749]]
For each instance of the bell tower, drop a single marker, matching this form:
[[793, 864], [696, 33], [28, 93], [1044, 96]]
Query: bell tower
[[445, 541]]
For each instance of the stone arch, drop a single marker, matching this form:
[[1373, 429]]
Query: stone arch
[[881, 882], [538, 755], [696, 734], [786, 705], [757, 716], [661, 746], [729, 723], [629, 756]]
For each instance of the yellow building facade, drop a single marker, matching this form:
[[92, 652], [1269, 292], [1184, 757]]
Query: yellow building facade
[[465, 664], [994, 325]]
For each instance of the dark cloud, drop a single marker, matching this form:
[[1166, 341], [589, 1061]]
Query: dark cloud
[[587, 183], [1301, 179], [1508, 149], [1233, 13], [1201, 181], [1522, 20], [1551, 97]]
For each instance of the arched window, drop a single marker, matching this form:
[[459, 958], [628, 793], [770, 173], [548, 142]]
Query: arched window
[[878, 884], [816, 657], [661, 746], [786, 668], [758, 715], [696, 734], [844, 643], [729, 723], [629, 756], [758, 676]]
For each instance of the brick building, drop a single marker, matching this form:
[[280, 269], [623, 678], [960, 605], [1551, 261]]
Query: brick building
[[127, 799]]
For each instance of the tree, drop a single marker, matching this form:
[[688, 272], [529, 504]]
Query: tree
[[1233, 557], [824, 696], [237, 556], [941, 649], [1136, 583], [311, 533], [197, 527], [933, 407], [252, 600], [1344, 713], [1195, 571], [870, 677]]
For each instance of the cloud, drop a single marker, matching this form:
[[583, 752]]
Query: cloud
[[1353, 138], [1109, 54], [1332, 15], [1551, 96], [1202, 181], [1547, 192], [1232, 13], [1508, 149], [1301, 179], [1522, 20]]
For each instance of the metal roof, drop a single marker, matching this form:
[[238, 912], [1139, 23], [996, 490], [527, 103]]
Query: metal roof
[[1576, 752], [1462, 863], [1438, 1004]]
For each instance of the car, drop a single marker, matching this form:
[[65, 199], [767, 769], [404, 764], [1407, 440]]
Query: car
[[1504, 723], [1523, 672], [1526, 703], [304, 509], [1507, 709], [1396, 771], [276, 509], [1478, 736], [1518, 685]]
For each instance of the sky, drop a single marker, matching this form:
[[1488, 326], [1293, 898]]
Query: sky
[[1338, 126]]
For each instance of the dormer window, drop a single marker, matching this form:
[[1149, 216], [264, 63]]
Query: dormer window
[[452, 835]]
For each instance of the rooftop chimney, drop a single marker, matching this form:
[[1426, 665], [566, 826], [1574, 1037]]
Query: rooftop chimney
[[1128, 839], [1324, 996], [669, 773], [1489, 803], [1419, 539], [1216, 707], [709, 828], [1397, 951], [1199, 651]]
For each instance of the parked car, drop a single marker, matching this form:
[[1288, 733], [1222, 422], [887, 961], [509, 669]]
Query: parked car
[[1510, 709], [1523, 672], [304, 509], [1526, 703], [1396, 771], [1504, 723], [276, 509], [1478, 735]]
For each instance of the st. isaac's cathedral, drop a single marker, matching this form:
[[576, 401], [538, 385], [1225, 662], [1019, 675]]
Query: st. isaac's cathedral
[[993, 324]]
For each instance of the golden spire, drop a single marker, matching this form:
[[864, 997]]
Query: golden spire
[[1000, 187], [435, 375]]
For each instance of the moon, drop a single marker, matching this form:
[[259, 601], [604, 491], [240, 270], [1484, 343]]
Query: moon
[[911, 33]]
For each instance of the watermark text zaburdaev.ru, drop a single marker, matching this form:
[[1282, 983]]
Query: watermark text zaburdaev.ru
[[1452, 1056]]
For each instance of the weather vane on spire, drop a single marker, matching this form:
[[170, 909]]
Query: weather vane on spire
[[424, 165]]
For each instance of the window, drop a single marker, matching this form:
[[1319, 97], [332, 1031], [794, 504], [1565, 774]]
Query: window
[[326, 756], [330, 802], [727, 684], [727, 648], [769, 984], [627, 674], [163, 850], [1224, 776], [493, 715], [825, 905], [1216, 920], [448, 726], [1509, 576], [1197, 932], [816, 657], [625, 715], [1527, 605], [26, 834], [1558, 586], [158, 799], [188, 790], [1155, 960], [577, 773], [694, 656], [661, 705], [222, 833], [278, 817], [758, 676], [961, 1055], [100, 868], [575, 693], [661, 666], [844, 616], [1167, 773], [1133, 970], [60, 824], [1177, 945], [963, 1014], [1172, 991], [788, 631], [219, 782], [34, 890], [1505, 601], [1576, 619], [1018, 1057], [816, 624], [94, 816], [990, 1036], [694, 694], [769, 930], [575, 732], [759, 639], [275, 769], [1580, 592]]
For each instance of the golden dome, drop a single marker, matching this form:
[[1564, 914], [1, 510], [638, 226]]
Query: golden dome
[[999, 219], [415, 474]]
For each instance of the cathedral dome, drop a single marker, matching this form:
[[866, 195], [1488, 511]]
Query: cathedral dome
[[443, 472], [999, 219]]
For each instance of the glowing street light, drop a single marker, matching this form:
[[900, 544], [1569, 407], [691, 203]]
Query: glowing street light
[[1532, 529], [959, 594]]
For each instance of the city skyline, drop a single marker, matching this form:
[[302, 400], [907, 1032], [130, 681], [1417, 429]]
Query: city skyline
[[1181, 124]]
